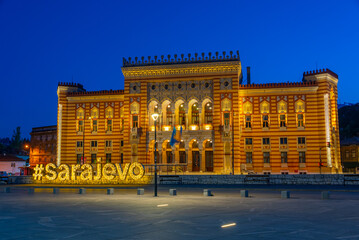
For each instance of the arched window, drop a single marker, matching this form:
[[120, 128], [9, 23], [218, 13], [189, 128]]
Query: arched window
[[169, 115], [195, 145], [182, 115], [208, 113], [300, 109], [248, 110], [135, 109], [80, 114], [226, 105], [195, 114], [282, 110], [265, 111]]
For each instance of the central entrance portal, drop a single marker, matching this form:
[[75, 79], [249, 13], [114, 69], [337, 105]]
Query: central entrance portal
[[195, 161]]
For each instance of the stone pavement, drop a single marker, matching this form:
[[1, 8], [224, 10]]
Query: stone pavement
[[189, 215]]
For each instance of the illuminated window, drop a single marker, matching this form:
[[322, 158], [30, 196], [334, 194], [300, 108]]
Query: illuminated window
[[79, 144], [248, 121], [81, 126], [266, 157], [282, 120], [108, 143], [208, 144], [169, 115], [265, 121], [94, 125], [247, 108], [226, 105], [80, 113], [226, 117], [282, 107], [108, 157], [208, 113], [301, 157], [195, 144], [182, 115], [300, 120], [353, 154], [134, 121], [94, 113], [93, 158], [347, 154], [266, 141], [264, 107], [301, 140], [248, 141], [109, 125], [283, 141], [284, 157], [109, 112], [299, 106], [195, 114], [249, 157]]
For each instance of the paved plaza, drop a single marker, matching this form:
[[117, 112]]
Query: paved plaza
[[189, 215]]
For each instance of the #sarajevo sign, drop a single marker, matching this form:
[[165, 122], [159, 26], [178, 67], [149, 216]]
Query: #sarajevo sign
[[108, 173]]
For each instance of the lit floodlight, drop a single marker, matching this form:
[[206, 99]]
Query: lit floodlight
[[155, 116]]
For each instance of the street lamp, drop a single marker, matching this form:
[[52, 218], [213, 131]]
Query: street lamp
[[155, 117]]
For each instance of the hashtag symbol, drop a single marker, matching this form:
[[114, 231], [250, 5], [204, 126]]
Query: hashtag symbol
[[38, 172]]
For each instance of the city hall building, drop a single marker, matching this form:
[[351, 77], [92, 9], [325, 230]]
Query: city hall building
[[227, 126]]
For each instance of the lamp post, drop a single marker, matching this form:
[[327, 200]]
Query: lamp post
[[155, 117]]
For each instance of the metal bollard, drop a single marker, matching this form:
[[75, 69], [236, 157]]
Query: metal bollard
[[140, 191], [244, 193], [207, 193], [56, 190], [285, 194], [110, 191], [173, 192], [325, 195], [82, 191]]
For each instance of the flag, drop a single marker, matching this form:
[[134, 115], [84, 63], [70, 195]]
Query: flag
[[176, 136]]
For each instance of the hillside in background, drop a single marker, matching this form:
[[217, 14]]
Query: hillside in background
[[349, 121]]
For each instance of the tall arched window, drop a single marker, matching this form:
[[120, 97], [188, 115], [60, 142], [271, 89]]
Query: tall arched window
[[94, 119], [282, 110], [208, 113], [109, 117], [169, 115], [195, 114], [300, 109], [248, 110], [135, 109], [265, 114], [182, 115], [80, 113]]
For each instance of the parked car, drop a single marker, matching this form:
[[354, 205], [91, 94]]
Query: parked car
[[3, 176]]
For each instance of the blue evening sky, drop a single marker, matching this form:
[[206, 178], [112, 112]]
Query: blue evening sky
[[45, 42]]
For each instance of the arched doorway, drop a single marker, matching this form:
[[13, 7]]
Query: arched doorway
[[208, 154], [196, 162]]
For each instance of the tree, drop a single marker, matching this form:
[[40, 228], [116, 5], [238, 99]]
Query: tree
[[16, 141]]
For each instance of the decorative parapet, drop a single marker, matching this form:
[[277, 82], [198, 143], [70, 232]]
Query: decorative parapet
[[91, 93], [320, 71], [279, 85], [180, 59], [71, 84]]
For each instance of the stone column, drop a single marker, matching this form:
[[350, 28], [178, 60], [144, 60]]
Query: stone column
[[200, 118]]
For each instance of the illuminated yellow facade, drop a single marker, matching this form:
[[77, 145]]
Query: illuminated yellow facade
[[227, 127]]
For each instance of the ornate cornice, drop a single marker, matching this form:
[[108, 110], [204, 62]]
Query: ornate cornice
[[231, 67]]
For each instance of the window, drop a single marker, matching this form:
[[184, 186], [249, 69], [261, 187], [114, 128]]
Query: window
[[353, 154], [283, 141], [282, 120], [182, 156], [108, 157], [79, 158], [249, 157], [121, 158], [135, 121], [122, 124], [109, 112], [265, 121], [195, 114], [81, 126], [226, 117], [248, 121], [94, 113], [301, 157], [301, 140], [208, 144], [181, 144], [93, 143], [93, 158], [169, 115], [121, 143], [194, 144], [283, 157], [266, 141], [108, 143], [300, 120], [248, 141], [79, 144], [182, 115], [347, 154], [109, 125], [80, 113], [266, 157], [12, 164], [208, 114], [94, 125]]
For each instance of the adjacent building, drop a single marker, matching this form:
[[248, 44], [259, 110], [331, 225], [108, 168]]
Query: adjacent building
[[350, 155], [43, 145], [227, 127]]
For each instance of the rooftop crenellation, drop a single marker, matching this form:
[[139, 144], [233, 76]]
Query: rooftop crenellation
[[70, 84], [180, 59], [319, 71], [279, 85], [101, 92]]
